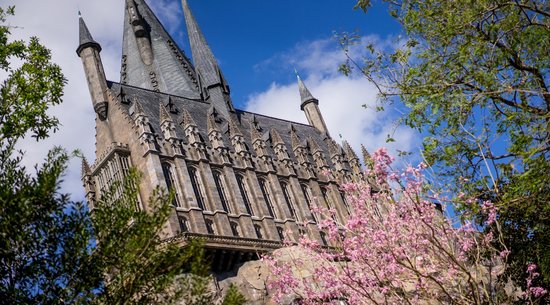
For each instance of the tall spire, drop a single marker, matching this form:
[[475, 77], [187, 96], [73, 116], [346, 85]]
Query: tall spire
[[214, 87], [85, 38], [310, 106], [305, 95], [150, 57]]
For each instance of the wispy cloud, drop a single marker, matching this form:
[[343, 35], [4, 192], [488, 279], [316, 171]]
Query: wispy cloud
[[56, 24], [347, 103]]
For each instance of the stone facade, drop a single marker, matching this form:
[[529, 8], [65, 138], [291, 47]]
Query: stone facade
[[242, 180]]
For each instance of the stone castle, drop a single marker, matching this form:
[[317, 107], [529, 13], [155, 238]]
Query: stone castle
[[242, 181]]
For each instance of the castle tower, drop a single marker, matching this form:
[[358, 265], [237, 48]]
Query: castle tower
[[88, 50], [241, 180], [310, 106]]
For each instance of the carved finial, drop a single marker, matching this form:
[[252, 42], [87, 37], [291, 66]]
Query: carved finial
[[187, 119], [234, 128], [295, 141], [314, 146], [164, 115], [85, 168], [276, 137], [138, 109], [366, 156], [254, 133], [211, 124], [349, 151], [333, 148]]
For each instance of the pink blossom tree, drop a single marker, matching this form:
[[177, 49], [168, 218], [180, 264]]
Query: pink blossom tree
[[398, 247]]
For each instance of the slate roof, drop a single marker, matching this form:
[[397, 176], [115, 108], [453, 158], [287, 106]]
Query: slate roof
[[150, 101], [173, 70]]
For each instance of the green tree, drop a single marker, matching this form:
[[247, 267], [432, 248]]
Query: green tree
[[475, 76], [56, 251], [234, 296]]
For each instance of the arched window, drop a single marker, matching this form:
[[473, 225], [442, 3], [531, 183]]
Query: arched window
[[308, 197], [343, 196], [281, 233], [171, 182], [324, 238], [258, 230], [234, 228], [267, 197], [209, 226], [288, 200], [324, 192], [222, 192], [183, 224], [244, 194], [197, 187]]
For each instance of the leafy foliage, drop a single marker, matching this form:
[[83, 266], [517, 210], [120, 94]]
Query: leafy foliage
[[30, 88], [475, 75], [396, 247], [56, 251], [233, 296]]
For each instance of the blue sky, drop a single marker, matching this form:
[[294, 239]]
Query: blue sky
[[244, 34], [258, 44]]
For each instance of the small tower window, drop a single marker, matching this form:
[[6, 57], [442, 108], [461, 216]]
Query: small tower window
[[220, 185], [324, 238], [307, 196], [183, 224], [281, 233], [258, 230], [234, 229], [171, 183], [288, 200], [324, 192], [344, 200], [244, 194], [197, 187], [209, 226], [267, 197]]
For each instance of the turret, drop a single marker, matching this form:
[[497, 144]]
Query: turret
[[88, 50], [88, 183], [310, 106]]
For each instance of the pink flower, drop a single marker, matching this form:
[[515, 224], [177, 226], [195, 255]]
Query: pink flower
[[504, 253], [537, 292]]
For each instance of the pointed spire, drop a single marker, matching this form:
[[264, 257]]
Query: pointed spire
[[305, 95], [254, 133], [138, 109], [211, 124], [85, 167], [213, 85], [349, 151], [314, 147], [164, 115], [276, 137], [203, 57], [333, 148], [187, 119], [367, 159], [234, 128], [86, 39], [295, 141]]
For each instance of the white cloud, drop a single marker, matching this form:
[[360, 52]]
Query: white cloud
[[56, 24], [342, 99]]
